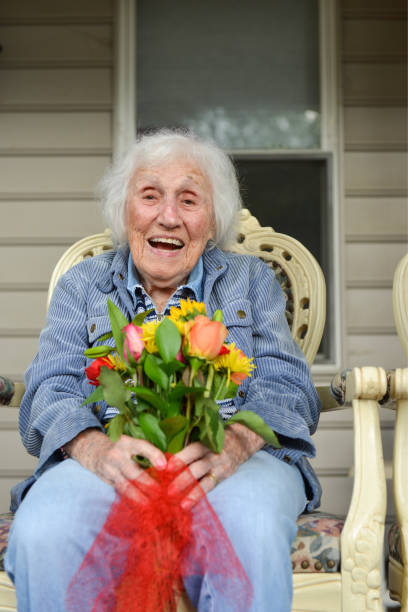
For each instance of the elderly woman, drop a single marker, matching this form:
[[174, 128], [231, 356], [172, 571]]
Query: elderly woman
[[172, 204]]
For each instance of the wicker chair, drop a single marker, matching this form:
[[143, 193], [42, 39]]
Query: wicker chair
[[321, 582], [398, 537]]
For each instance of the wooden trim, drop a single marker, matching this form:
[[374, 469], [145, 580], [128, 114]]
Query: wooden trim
[[48, 196], [27, 241], [11, 287], [20, 333], [374, 101], [55, 20], [36, 152], [57, 63], [360, 330], [381, 147], [369, 284], [57, 107], [372, 238], [348, 58], [371, 13], [376, 193]]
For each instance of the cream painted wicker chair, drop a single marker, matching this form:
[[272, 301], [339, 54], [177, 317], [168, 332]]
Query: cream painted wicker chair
[[355, 585], [398, 558]]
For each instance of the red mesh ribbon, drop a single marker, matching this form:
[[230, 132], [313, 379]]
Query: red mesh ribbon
[[150, 543]]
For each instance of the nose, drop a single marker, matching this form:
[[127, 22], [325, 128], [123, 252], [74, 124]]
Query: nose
[[168, 213]]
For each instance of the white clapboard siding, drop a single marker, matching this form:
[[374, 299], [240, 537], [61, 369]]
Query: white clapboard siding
[[13, 312], [388, 217], [66, 220], [378, 315], [374, 84], [42, 11], [372, 263], [380, 172], [382, 349], [34, 132], [55, 142], [47, 174], [375, 128], [51, 88], [67, 44], [382, 39]]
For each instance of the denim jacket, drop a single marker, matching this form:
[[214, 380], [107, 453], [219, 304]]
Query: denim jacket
[[280, 390]]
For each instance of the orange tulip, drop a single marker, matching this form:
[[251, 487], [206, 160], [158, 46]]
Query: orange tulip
[[205, 337]]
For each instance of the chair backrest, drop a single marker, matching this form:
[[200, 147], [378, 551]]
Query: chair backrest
[[295, 267], [400, 301]]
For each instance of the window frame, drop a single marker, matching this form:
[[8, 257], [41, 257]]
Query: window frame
[[124, 132]]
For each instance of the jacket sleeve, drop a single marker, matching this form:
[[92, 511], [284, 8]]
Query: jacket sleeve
[[51, 413], [281, 389]]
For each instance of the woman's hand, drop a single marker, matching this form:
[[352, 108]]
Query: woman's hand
[[209, 468], [113, 461]]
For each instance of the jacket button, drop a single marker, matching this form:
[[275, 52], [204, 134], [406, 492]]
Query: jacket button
[[287, 459], [120, 276], [241, 314], [220, 267], [93, 327], [241, 394]]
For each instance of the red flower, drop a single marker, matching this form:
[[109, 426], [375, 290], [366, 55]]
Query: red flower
[[93, 371]]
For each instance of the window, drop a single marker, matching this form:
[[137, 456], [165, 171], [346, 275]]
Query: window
[[258, 78]]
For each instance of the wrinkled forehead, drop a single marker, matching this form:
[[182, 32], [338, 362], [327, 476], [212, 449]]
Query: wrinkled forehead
[[179, 173]]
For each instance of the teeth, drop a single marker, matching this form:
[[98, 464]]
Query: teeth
[[174, 241]]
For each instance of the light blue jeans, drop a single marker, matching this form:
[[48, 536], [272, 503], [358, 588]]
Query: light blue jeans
[[64, 510]]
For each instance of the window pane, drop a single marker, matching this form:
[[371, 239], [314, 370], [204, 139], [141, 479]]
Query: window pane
[[292, 196], [243, 73]]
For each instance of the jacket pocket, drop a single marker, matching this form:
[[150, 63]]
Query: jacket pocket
[[97, 327]]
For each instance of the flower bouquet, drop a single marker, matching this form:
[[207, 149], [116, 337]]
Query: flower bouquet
[[165, 378]]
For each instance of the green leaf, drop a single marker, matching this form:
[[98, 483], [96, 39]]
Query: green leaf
[[114, 391], [118, 322], [95, 396], [181, 390], [104, 337], [257, 424], [175, 429], [153, 432], [155, 373], [98, 351], [217, 316], [139, 318], [168, 340], [133, 430], [116, 427], [212, 431], [149, 396]]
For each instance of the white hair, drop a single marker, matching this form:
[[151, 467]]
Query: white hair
[[157, 148]]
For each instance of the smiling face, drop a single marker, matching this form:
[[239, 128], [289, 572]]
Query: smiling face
[[169, 218]]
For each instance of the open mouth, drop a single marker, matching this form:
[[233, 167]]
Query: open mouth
[[168, 244]]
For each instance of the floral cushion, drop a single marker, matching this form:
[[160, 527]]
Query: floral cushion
[[316, 547], [395, 543]]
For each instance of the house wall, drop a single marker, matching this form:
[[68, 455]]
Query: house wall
[[56, 138], [55, 141]]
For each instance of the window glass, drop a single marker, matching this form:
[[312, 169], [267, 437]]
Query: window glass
[[243, 73]]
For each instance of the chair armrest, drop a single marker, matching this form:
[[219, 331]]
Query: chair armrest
[[363, 533]]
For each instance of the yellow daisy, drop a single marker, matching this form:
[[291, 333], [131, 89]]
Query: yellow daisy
[[188, 309], [149, 331], [238, 365], [116, 362]]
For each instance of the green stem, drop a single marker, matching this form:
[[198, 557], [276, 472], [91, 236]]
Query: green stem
[[221, 389], [210, 378]]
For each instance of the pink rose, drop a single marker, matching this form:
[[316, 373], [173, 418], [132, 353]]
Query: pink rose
[[133, 341]]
